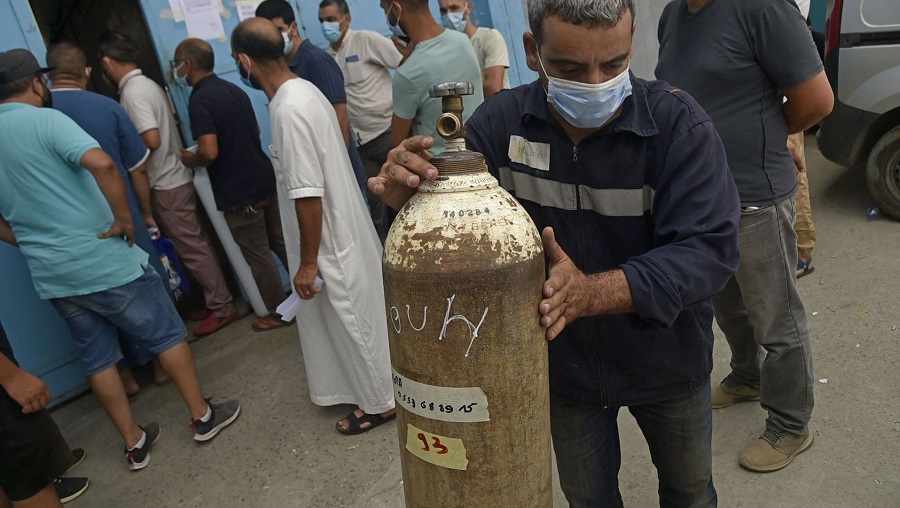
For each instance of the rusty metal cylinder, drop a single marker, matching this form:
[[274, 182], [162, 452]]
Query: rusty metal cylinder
[[463, 270]]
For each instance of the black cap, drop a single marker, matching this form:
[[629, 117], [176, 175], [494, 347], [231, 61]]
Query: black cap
[[18, 63]]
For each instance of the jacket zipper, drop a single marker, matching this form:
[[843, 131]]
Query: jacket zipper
[[604, 396]]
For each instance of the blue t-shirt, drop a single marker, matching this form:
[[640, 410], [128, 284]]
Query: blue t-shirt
[[108, 123], [55, 207], [446, 57], [315, 65], [105, 121]]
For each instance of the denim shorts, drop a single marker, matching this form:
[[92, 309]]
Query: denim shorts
[[141, 310]]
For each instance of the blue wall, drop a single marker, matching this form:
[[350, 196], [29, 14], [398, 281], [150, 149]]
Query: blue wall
[[506, 16]]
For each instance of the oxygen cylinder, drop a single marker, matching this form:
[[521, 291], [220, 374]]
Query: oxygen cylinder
[[463, 270]]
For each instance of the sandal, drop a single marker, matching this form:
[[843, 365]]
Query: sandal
[[805, 268], [267, 323], [356, 422]]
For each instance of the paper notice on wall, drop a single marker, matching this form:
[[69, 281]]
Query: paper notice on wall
[[177, 10], [203, 20], [246, 8]]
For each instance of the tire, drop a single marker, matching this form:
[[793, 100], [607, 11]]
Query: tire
[[883, 173]]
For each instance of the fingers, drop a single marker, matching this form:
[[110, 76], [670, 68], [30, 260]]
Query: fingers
[[409, 162], [554, 330], [126, 234], [554, 252], [306, 289], [37, 402]]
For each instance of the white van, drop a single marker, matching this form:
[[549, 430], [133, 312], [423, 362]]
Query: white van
[[862, 61]]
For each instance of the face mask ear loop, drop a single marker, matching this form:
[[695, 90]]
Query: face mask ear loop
[[541, 63]]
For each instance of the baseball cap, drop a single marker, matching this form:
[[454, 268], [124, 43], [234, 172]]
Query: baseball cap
[[18, 63]]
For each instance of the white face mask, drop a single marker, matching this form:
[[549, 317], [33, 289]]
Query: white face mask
[[585, 105], [288, 42]]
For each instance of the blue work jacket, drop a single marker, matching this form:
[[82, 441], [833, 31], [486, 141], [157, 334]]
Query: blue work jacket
[[650, 193]]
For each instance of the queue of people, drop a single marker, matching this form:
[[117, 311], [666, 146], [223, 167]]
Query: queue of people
[[688, 218]]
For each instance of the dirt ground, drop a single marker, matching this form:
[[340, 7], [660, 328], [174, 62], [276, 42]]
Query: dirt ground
[[284, 452]]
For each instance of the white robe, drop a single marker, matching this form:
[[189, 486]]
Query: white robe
[[343, 330]]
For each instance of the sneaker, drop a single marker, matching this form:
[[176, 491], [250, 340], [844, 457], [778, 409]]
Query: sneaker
[[727, 393], [68, 488], [139, 458], [214, 323], [222, 416], [79, 458], [774, 450]]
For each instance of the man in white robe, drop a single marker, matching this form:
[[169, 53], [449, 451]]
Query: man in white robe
[[328, 233]]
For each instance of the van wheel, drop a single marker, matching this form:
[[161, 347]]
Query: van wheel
[[883, 173]]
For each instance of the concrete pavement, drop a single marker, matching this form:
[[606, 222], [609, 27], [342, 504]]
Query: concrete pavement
[[284, 452]]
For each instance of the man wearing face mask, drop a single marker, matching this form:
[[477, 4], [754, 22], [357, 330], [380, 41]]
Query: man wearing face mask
[[316, 66], [173, 197], [328, 237], [441, 55], [243, 182], [628, 181], [490, 48], [63, 204], [365, 59]]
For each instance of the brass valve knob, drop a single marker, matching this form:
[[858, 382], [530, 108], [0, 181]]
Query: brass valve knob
[[450, 123]]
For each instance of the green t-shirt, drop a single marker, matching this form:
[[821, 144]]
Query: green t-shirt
[[55, 207], [447, 57]]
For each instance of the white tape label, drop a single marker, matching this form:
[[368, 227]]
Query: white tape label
[[442, 403]]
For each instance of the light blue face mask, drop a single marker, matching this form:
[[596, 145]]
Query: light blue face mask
[[288, 43], [584, 105], [395, 29], [180, 80], [454, 21], [332, 31]]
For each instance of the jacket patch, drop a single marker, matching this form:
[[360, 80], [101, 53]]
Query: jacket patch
[[529, 153]]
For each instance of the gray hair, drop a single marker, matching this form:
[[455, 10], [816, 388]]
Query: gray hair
[[605, 13]]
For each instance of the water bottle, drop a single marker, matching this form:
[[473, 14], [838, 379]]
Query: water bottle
[[873, 212]]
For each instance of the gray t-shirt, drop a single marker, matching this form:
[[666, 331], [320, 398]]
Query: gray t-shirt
[[736, 57]]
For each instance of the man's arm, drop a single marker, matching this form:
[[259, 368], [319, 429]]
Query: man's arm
[[570, 294], [151, 139], [27, 390], [401, 128], [6, 232], [493, 80], [111, 185], [340, 108], [309, 217], [807, 103], [207, 152], [140, 180]]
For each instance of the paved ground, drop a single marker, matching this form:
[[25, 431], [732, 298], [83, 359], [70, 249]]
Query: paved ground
[[284, 452]]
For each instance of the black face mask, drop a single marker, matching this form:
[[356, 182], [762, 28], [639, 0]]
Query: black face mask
[[46, 97], [247, 77]]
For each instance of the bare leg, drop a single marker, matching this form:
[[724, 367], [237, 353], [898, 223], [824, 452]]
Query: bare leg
[[46, 498], [160, 375], [129, 382], [107, 387], [179, 363], [4, 501]]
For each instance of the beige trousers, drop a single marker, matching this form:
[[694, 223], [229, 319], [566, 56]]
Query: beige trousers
[[803, 225]]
